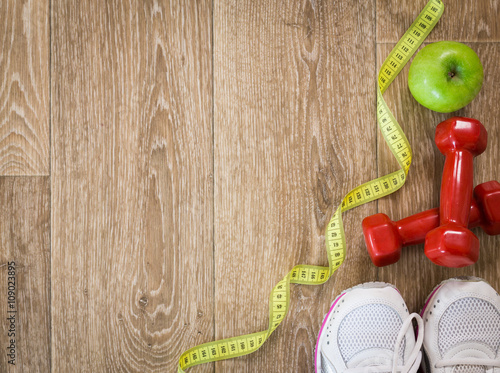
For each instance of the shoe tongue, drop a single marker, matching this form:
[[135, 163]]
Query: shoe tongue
[[467, 351], [469, 369], [371, 358]]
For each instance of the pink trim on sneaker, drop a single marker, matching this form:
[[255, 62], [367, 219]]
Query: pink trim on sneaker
[[428, 300], [321, 330]]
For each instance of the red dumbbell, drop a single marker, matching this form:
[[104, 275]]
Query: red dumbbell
[[452, 244], [487, 196], [385, 238]]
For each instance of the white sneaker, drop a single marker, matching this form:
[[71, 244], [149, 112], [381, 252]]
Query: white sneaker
[[368, 329], [462, 327]]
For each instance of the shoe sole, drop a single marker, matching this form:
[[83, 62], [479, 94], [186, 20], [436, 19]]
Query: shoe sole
[[366, 285]]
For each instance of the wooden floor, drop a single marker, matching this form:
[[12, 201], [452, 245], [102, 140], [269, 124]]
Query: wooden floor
[[164, 164]]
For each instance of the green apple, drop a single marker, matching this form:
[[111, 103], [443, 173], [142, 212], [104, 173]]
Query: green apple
[[445, 76]]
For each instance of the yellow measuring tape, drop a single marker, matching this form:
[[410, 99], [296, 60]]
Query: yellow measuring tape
[[279, 299]]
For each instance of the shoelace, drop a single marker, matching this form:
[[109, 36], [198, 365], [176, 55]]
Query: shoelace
[[468, 361], [413, 361]]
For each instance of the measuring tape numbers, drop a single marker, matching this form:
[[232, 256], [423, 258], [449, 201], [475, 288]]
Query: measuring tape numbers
[[279, 299]]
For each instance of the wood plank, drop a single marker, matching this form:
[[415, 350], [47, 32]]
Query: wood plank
[[132, 184], [422, 189], [24, 87], [25, 244], [462, 20], [295, 129]]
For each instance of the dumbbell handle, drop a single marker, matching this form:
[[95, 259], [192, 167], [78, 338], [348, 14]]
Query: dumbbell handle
[[412, 230], [456, 187]]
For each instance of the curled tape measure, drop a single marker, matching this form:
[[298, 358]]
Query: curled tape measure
[[279, 299]]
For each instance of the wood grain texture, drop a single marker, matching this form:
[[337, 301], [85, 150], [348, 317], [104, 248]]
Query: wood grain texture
[[25, 240], [24, 87], [132, 197], [464, 20], [189, 178], [414, 274], [294, 130]]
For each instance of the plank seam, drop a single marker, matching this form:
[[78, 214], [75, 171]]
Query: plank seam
[[50, 187], [213, 175]]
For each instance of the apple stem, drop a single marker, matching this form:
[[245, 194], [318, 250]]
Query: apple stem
[[451, 74]]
